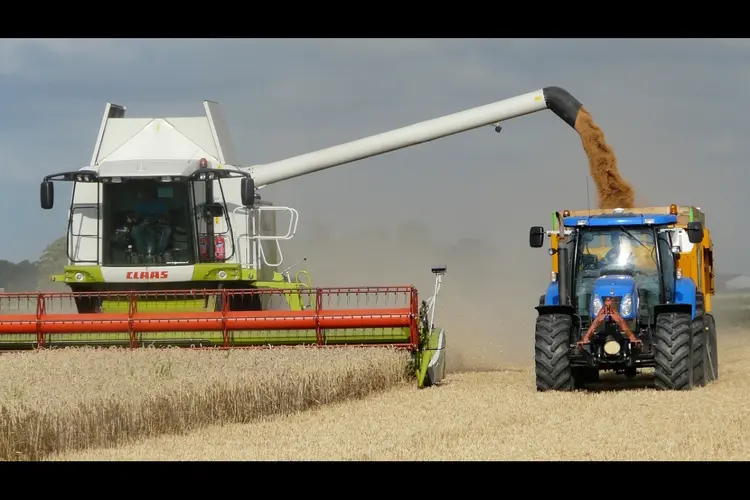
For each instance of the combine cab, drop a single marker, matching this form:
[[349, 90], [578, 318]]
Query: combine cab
[[169, 243]]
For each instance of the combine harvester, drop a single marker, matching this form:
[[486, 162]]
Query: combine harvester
[[202, 269], [629, 290]]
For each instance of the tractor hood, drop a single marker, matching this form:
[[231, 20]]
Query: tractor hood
[[621, 288]]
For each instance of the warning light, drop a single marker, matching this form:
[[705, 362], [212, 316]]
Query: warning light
[[203, 163], [566, 213], [672, 209]]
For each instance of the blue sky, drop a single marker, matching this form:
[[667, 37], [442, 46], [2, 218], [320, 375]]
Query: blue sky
[[673, 110]]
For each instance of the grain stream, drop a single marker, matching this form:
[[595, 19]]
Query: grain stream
[[612, 190], [58, 401]]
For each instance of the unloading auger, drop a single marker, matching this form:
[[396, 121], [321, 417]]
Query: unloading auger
[[170, 244]]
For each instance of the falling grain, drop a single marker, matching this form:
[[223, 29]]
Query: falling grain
[[613, 191]]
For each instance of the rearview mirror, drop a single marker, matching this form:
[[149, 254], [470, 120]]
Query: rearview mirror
[[213, 210], [247, 188], [536, 236], [695, 232], [47, 194]]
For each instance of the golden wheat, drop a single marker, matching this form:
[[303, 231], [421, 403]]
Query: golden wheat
[[497, 416], [490, 416], [55, 401]]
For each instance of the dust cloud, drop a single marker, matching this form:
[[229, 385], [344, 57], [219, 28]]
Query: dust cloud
[[613, 191], [486, 308]]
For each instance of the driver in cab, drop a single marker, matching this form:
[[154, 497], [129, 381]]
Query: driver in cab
[[620, 255], [151, 231]]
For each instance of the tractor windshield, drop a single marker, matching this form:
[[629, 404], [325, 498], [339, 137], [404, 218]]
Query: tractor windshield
[[615, 251]]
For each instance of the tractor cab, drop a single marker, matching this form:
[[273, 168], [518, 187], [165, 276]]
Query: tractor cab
[[164, 213], [626, 259]]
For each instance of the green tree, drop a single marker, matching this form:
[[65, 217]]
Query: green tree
[[52, 261]]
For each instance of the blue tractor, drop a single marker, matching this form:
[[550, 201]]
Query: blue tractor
[[619, 302]]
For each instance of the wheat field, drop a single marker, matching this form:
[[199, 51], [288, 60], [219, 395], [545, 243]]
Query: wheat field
[[62, 400], [496, 415], [304, 404], [489, 416]]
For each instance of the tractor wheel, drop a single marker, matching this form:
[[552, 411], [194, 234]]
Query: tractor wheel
[[672, 354], [711, 363], [699, 342], [552, 343]]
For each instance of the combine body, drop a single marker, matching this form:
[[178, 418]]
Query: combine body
[[628, 290], [170, 243]]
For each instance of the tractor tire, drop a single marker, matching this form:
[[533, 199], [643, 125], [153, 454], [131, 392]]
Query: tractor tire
[[699, 342], [552, 344], [672, 353], [711, 364]]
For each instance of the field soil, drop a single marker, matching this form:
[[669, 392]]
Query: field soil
[[497, 415]]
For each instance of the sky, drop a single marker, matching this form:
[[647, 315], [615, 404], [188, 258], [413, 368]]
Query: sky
[[674, 111]]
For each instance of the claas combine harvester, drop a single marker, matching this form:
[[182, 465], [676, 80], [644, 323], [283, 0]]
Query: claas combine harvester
[[170, 244], [630, 289]]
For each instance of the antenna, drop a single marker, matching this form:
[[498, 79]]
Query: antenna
[[588, 197]]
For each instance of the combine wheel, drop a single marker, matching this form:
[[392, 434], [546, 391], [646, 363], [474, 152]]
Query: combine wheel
[[552, 344], [672, 356]]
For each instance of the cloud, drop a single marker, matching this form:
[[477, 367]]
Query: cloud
[[673, 111]]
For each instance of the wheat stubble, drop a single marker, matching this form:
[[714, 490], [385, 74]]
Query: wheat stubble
[[613, 191], [489, 416]]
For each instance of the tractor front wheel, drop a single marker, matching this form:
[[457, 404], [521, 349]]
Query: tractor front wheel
[[672, 352], [552, 345]]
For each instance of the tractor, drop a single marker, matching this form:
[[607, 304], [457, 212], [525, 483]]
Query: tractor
[[630, 290]]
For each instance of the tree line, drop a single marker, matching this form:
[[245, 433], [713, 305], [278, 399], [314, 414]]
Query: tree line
[[29, 276]]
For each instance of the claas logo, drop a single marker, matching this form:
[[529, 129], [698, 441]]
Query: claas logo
[[147, 275]]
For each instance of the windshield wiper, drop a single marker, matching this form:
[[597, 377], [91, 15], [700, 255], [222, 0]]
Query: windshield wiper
[[633, 237]]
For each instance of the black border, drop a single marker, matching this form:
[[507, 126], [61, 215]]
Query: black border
[[369, 19]]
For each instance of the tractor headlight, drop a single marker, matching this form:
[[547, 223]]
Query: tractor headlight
[[626, 308], [612, 347], [596, 304]]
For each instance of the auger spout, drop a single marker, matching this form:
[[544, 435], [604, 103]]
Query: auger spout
[[556, 99]]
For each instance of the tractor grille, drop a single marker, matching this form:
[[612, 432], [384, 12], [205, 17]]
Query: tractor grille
[[616, 301]]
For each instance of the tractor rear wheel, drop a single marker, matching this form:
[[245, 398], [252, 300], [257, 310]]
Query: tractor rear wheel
[[672, 353], [552, 345], [699, 342], [711, 363]]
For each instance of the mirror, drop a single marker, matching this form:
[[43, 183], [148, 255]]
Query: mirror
[[247, 187], [213, 210], [47, 195], [695, 232], [536, 236]]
